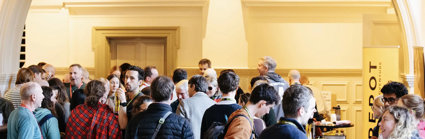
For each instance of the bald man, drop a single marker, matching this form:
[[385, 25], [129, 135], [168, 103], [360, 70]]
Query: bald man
[[22, 123]]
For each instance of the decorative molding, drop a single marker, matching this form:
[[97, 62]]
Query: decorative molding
[[65, 70], [315, 3], [134, 3], [410, 80], [358, 99], [343, 84], [46, 4]]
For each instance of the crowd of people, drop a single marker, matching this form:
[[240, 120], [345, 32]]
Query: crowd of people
[[134, 102]]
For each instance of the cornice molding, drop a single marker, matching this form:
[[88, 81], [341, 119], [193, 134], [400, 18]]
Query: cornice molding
[[134, 3], [315, 3]]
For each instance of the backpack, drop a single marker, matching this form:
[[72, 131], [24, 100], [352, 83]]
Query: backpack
[[217, 130], [44, 119]]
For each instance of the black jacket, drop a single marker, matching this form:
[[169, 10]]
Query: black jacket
[[288, 131], [144, 123]]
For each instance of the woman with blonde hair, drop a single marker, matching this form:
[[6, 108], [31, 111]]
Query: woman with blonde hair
[[398, 123], [415, 104], [378, 109]]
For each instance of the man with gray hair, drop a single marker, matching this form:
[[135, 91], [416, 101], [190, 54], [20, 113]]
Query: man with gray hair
[[22, 123], [298, 108], [76, 77], [294, 77], [266, 67], [181, 92]]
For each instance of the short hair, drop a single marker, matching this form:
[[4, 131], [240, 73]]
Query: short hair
[[124, 66], [28, 89], [205, 61], [56, 84], [179, 74], [294, 74], [269, 62], [138, 102], [210, 73], [264, 92], [139, 71], [36, 69], [77, 65], [146, 91], [94, 90], [227, 70], [228, 82], [244, 98], [200, 83], [41, 64], [161, 88], [24, 75], [394, 87], [255, 79], [295, 97], [415, 103], [148, 71], [183, 84]]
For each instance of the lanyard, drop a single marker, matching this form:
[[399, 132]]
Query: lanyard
[[70, 88], [226, 99], [26, 107], [133, 98]]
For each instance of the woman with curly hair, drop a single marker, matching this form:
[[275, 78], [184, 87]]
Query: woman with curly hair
[[398, 123], [415, 104], [93, 119]]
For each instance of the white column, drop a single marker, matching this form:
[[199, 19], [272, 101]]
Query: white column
[[12, 20], [225, 42]]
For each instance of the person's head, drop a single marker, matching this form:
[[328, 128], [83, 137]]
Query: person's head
[[49, 99], [228, 82], [397, 123], [50, 71], [123, 68], [414, 103], [378, 107], [294, 76], [59, 88], [41, 64], [211, 77], [107, 85], [133, 78], [243, 99], [266, 64], [299, 103], [392, 92], [255, 79], [263, 97], [76, 74], [304, 80], [197, 84], [140, 104], [94, 91], [227, 70], [31, 94], [114, 82], [161, 89], [150, 74], [204, 64], [24, 75], [146, 91], [178, 75], [182, 88], [85, 75], [38, 72]]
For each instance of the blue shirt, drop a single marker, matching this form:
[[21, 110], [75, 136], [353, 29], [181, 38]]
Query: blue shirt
[[22, 125]]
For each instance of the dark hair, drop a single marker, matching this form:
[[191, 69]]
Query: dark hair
[[200, 83], [239, 92], [161, 88], [56, 84], [394, 87], [140, 72], [36, 69], [112, 76], [41, 64], [205, 61], [178, 75], [24, 75], [264, 92], [138, 102], [148, 71], [295, 97], [94, 91], [227, 70], [123, 68], [255, 79], [228, 82], [146, 91], [244, 97], [47, 102]]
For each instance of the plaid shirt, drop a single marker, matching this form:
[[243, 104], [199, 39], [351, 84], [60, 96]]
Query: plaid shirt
[[82, 125]]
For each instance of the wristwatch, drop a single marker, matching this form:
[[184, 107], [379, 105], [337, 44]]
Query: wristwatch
[[124, 104]]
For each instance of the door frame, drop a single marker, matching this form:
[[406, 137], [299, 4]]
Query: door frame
[[101, 46]]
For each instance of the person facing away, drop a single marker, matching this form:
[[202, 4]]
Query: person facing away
[[93, 119], [22, 123], [299, 108], [228, 83], [415, 104], [194, 107], [47, 116], [240, 124], [13, 95], [144, 124], [266, 67]]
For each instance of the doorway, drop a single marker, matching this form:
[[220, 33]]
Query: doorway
[[141, 52]]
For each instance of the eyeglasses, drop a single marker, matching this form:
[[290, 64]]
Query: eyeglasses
[[390, 100], [210, 87]]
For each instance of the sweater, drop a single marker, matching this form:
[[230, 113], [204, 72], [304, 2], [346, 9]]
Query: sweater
[[50, 129], [22, 125], [217, 113]]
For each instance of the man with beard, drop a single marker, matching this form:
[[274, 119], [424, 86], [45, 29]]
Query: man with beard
[[133, 79]]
